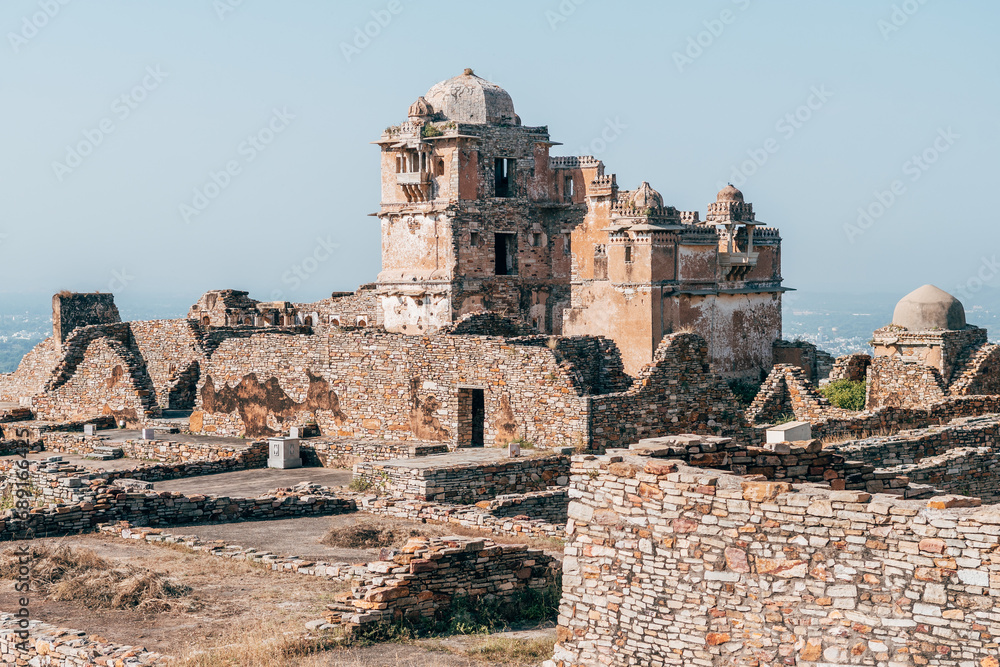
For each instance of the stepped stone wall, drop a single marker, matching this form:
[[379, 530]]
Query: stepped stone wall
[[43, 644], [670, 565], [851, 367], [893, 382]]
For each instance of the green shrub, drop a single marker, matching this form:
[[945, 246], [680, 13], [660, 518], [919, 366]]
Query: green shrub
[[744, 391], [845, 394]]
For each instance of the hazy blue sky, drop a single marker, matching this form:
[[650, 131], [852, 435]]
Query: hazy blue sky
[[682, 94]]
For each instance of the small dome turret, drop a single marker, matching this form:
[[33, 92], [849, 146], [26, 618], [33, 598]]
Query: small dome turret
[[929, 308]]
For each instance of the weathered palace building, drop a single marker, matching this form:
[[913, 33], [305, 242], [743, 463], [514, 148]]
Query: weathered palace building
[[477, 215]]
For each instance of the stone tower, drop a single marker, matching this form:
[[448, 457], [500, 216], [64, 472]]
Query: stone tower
[[470, 216]]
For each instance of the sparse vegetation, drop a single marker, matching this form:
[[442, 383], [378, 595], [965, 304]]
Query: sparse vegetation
[[80, 575], [744, 391], [845, 394], [366, 484], [510, 651], [430, 130], [371, 534], [784, 418], [467, 616]]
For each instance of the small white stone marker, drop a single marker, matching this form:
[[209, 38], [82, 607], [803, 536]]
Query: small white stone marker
[[790, 432], [295, 432], [513, 450], [90, 429], [148, 434], [283, 453]]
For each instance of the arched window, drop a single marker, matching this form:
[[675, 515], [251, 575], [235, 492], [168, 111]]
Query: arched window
[[206, 321], [362, 322], [308, 321]]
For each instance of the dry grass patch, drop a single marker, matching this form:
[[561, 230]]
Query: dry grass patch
[[261, 643], [370, 534], [65, 574], [511, 651]]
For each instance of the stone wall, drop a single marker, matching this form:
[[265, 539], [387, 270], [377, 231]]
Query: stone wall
[[465, 482], [968, 471], [112, 504], [893, 382], [699, 567], [428, 574], [72, 311], [105, 381], [851, 367], [344, 453], [373, 384], [912, 446], [676, 394], [978, 372], [549, 505], [44, 644], [32, 373]]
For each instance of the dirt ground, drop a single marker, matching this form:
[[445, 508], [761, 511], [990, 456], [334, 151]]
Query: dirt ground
[[232, 602]]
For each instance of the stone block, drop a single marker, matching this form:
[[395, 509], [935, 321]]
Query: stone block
[[148, 434], [283, 453], [790, 432]]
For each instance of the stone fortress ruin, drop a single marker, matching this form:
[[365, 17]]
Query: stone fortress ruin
[[523, 366]]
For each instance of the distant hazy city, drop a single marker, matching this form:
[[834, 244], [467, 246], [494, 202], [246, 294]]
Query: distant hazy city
[[838, 323]]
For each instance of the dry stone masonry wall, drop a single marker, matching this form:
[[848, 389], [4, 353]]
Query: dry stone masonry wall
[[680, 566]]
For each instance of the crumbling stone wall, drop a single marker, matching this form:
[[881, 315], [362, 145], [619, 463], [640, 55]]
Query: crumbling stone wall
[[104, 382], [897, 383], [676, 394], [978, 373], [912, 446], [72, 311], [377, 384], [851, 367], [111, 504], [814, 362], [693, 566], [787, 391], [47, 644], [32, 374], [345, 452], [173, 354], [347, 309], [427, 575]]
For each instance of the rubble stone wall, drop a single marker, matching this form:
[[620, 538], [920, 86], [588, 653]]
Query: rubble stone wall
[[896, 383], [700, 567], [46, 644], [466, 483], [373, 384], [676, 394], [344, 453], [156, 509]]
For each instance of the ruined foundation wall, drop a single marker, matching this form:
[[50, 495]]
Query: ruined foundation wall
[[979, 373], [701, 567]]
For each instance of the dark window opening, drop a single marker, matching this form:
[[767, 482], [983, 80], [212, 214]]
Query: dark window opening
[[628, 254], [567, 245], [506, 245], [439, 167], [600, 262], [503, 182], [536, 239], [471, 417], [473, 239], [568, 189]]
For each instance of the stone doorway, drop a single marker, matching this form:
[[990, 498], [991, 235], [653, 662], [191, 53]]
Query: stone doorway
[[471, 417]]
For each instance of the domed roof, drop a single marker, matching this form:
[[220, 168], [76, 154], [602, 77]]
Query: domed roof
[[729, 193], [929, 308], [646, 197], [469, 99]]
